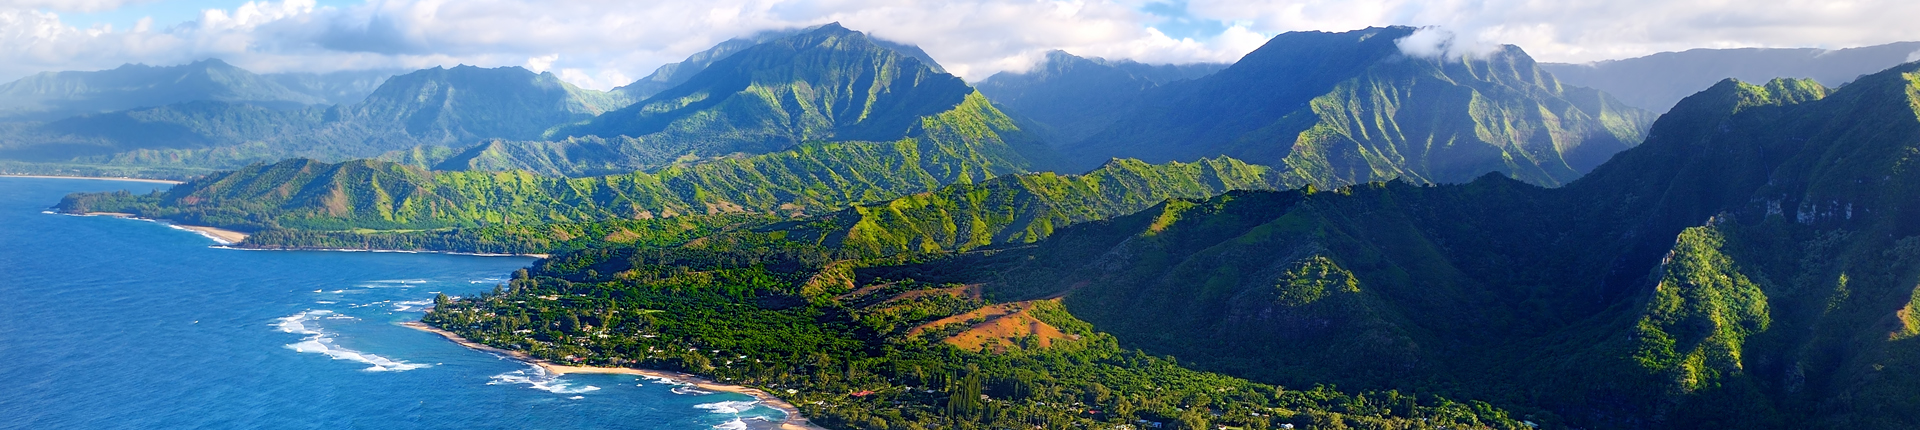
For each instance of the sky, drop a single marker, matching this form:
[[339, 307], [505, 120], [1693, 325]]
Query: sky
[[603, 43]]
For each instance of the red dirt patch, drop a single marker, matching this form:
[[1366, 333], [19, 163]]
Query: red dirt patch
[[1000, 327]]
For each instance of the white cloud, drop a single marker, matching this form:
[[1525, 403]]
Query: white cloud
[[1589, 30], [603, 43], [1437, 42], [542, 63], [1915, 56]]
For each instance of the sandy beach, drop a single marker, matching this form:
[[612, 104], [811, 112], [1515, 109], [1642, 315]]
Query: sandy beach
[[793, 422], [224, 236], [228, 236], [97, 178]]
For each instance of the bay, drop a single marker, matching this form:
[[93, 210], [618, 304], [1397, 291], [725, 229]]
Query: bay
[[109, 323]]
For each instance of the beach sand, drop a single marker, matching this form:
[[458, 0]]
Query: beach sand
[[224, 236], [793, 422], [228, 236], [99, 178]]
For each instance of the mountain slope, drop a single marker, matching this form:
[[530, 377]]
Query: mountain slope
[[1344, 108], [963, 145], [335, 88], [438, 106], [53, 95], [671, 75], [827, 83], [1018, 209], [466, 103], [1073, 97], [1655, 82]]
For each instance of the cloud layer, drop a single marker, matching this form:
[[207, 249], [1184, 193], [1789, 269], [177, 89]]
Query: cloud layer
[[606, 43]]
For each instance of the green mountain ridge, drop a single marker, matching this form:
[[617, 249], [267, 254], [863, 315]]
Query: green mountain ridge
[[1347, 108], [436, 106], [962, 145], [1020, 209], [823, 84], [53, 95]]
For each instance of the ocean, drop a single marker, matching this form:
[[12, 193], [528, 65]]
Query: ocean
[[109, 323]]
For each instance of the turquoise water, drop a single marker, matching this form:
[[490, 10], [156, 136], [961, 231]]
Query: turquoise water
[[110, 323]]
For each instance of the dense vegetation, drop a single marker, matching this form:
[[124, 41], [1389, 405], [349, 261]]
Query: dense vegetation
[[778, 318]]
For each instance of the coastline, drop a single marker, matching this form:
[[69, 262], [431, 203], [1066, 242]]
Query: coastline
[[794, 420], [221, 235], [96, 178], [399, 251], [230, 239]]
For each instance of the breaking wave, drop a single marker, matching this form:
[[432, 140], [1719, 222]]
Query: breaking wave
[[539, 379], [319, 342], [733, 407]]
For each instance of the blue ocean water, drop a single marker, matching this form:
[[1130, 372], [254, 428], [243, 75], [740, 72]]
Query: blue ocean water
[[110, 323]]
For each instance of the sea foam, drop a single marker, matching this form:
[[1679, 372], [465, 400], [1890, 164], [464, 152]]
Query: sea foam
[[690, 391], [539, 379], [319, 342], [731, 407]]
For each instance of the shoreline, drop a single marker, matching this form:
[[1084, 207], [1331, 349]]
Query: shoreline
[[230, 239], [794, 420], [223, 236], [95, 178], [397, 251]]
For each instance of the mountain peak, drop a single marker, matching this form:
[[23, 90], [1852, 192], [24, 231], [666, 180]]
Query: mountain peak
[[832, 27], [1313, 100], [826, 82]]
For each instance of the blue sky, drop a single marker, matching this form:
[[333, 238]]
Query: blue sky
[[1176, 21], [163, 12]]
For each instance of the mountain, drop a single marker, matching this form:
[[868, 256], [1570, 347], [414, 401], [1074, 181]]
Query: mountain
[[1345, 108], [1072, 97], [1655, 82], [189, 134], [1019, 209], [673, 74], [1749, 266], [52, 95], [962, 145], [335, 88], [467, 103], [824, 84], [432, 107]]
